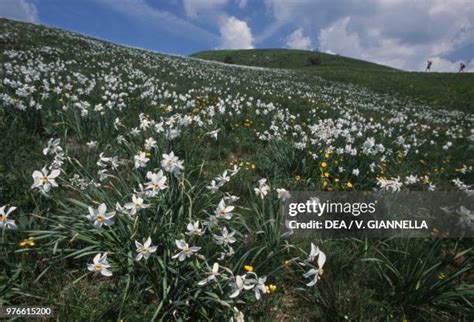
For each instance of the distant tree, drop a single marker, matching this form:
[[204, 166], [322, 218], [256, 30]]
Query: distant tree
[[314, 61], [229, 60]]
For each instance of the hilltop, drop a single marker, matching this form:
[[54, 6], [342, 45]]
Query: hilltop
[[445, 90]]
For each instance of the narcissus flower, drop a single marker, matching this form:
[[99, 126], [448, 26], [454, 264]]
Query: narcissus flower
[[194, 230], [100, 265], [314, 273], [224, 211], [186, 251], [4, 221], [171, 163], [44, 181], [144, 250], [136, 204], [226, 238], [141, 160], [100, 216], [212, 275], [157, 181], [283, 194]]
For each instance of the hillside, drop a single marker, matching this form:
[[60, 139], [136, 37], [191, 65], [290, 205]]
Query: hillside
[[445, 90], [139, 186]]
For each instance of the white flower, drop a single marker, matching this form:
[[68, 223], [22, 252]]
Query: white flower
[[283, 194], [239, 285], [157, 181], [171, 163], [411, 179], [144, 250], [150, 143], [193, 229], [234, 170], [226, 238], [466, 217], [44, 181], [136, 204], [100, 264], [91, 144], [392, 185], [315, 273], [263, 189], [141, 160], [355, 172], [53, 146], [4, 221], [223, 211], [223, 179], [212, 275], [186, 251], [213, 187], [100, 217], [213, 134]]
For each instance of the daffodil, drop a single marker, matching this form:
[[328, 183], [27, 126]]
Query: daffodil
[[224, 211], [315, 273], [136, 205], [171, 163], [144, 250], [283, 194], [194, 230], [185, 250], [226, 238], [4, 221], [157, 181], [141, 160], [212, 275], [44, 181], [100, 216], [100, 265]]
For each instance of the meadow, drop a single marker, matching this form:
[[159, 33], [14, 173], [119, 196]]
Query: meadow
[[140, 186]]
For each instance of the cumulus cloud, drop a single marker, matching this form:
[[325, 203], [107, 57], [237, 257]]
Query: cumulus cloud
[[399, 33], [195, 7], [235, 34], [297, 40], [19, 10], [377, 47]]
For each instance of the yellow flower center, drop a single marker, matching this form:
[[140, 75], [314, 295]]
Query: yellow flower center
[[99, 217], [45, 179]]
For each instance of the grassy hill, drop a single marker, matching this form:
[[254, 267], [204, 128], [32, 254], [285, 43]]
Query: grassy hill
[[446, 90], [139, 186]]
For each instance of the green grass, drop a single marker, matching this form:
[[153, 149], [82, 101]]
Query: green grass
[[444, 90]]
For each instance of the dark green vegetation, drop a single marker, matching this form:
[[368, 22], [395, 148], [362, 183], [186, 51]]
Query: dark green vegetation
[[276, 125], [444, 90]]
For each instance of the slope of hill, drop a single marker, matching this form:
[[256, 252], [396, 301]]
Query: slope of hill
[[141, 186], [445, 90]]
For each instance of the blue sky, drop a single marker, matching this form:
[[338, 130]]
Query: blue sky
[[398, 33]]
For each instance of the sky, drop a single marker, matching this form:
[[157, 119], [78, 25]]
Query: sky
[[400, 33]]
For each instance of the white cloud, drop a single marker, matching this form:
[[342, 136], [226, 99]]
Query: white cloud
[[19, 10], [297, 40], [374, 46], [401, 33], [195, 7], [235, 34]]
